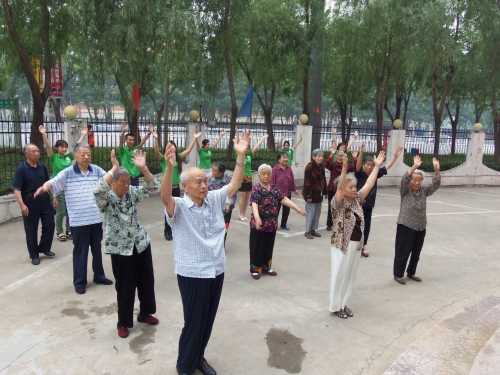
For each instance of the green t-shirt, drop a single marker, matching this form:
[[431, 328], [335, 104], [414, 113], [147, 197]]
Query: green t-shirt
[[59, 162], [126, 156], [205, 158], [176, 178], [248, 164], [289, 152]]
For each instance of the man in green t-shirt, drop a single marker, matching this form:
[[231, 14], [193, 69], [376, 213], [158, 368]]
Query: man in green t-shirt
[[126, 153]]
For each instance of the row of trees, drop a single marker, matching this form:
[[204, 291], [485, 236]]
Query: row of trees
[[375, 55]]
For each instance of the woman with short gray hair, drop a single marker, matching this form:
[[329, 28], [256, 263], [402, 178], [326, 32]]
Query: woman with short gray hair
[[412, 219], [265, 200], [313, 192]]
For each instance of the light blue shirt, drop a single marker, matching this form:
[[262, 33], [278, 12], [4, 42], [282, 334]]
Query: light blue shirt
[[199, 235], [79, 193]]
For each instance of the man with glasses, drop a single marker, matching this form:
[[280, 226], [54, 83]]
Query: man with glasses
[[29, 176]]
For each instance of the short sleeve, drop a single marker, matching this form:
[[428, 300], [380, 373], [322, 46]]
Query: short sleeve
[[382, 172], [17, 182], [219, 197], [256, 195], [101, 191], [59, 182]]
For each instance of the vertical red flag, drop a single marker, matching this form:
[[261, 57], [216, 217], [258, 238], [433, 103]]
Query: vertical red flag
[[56, 80], [137, 97]]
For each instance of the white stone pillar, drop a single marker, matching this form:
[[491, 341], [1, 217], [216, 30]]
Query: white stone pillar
[[193, 159], [396, 139], [475, 148], [302, 155]]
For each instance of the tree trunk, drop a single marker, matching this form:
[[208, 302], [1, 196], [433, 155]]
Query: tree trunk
[[268, 119], [496, 125], [57, 110], [230, 79], [438, 106], [343, 118], [454, 125]]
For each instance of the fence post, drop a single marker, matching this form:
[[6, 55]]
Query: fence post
[[302, 155], [193, 160]]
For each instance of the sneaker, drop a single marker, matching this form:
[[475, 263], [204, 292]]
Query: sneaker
[[122, 331], [285, 227], [150, 319]]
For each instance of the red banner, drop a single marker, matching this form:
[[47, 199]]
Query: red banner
[[56, 80]]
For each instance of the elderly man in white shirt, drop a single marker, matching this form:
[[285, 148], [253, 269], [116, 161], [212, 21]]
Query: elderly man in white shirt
[[198, 229]]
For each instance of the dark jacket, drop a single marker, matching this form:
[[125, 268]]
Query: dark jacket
[[314, 182]]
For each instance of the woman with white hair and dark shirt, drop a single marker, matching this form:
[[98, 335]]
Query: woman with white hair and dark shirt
[[127, 241], [347, 234], [265, 200], [412, 219]]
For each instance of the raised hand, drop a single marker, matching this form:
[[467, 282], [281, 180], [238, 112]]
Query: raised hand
[[300, 135], [334, 131], [85, 130], [139, 159], [417, 161], [363, 147], [380, 158], [197, 135], [222, 133], [114, 160], [241, 145], [399, 151], [435, 162], [170, 155], [124, 127], [154, 134], [356, 134], [265, 136], [150, 128], [282, 136], [41, 129], [355, 154], [343, 159]]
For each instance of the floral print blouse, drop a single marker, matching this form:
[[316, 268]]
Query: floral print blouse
[[268, 202], [344, 222], [123, 229]]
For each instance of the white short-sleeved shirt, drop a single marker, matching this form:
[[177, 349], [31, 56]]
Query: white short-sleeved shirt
[[199, 235]]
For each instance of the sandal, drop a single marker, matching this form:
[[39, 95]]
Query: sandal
[[69, 236], [348, 311], [341, 314], [61, 237]]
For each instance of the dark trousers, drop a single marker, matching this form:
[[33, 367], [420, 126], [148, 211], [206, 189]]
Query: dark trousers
[[83, 237], [200, 300], [227, 220], [261, 249], [286, 213], [367, 213], [408, 241], [134, 272], [40, 209], [176, 192], [329, 219], [134, 181]]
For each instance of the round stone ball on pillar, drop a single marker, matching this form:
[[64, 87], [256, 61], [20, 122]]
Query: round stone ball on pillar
[[397, 123], [194, 115], [70, 111], [303, 118], [477, 127]]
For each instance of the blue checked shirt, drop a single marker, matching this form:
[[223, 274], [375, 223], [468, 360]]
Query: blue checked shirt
[[199, 235]]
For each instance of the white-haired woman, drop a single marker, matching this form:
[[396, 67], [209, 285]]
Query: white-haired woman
[[347, 234], [412, 219], [265, 201], [313, 192]]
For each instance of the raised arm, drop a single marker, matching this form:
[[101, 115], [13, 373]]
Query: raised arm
[[218, 139], [48, 146], [108, 177], [339, 195], [352, 141], [191, 145], [240, 147], [373, 176], [145, 138], [391, 162], [298, 143], [166, 185], [256, 147], [437, 172], [404, 187], [359, 162], [334, 138], [83, 133], [280, 143], [417, 162], [140, 162], [156, 145], [122, 134], [198, 145]]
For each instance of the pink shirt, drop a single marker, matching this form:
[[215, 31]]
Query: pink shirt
[[283, 179]]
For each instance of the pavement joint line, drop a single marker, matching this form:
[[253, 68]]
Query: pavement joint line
[[441, 213], [458, 205], [17, 284], [471, 192]]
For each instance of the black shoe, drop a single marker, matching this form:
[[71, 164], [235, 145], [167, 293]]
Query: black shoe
[[181, 373], [168, 237], [49, 253], [206, 369], [80, 290], [104, 282], [35, 261]]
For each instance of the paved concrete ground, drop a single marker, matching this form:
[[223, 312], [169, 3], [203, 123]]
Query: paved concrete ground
[[271, 326]]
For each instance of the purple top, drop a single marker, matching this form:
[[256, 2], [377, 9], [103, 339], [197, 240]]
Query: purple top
[[283, 179]]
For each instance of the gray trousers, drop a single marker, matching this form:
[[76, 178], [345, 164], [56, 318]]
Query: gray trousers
[[313, 213]]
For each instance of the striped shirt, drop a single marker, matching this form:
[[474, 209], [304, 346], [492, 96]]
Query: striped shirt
[[79, 191], [199, 235]]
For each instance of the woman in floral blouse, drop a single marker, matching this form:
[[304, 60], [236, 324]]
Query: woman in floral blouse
[[264, 222], [347, 234], [127, 241]]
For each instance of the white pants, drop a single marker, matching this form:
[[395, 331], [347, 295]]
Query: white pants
[[344, 269]]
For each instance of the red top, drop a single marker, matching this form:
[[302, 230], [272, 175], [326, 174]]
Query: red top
[[335, 169], [283, 179]]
